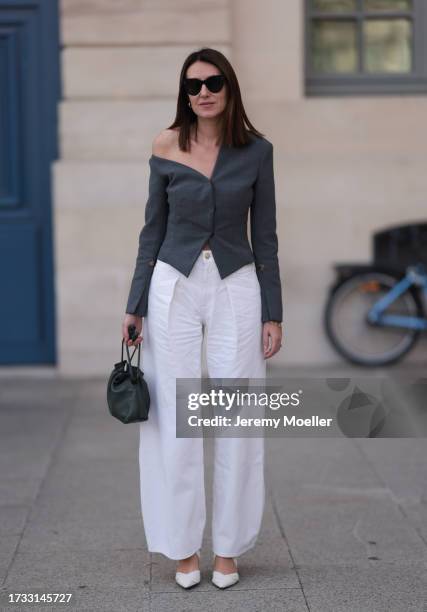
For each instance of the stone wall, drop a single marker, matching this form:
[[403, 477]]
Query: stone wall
[[120, 67], [344, 166]]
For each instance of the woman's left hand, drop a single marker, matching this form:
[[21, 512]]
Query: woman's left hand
[[271, 339]]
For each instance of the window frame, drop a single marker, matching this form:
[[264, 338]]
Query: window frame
[[352, 84]]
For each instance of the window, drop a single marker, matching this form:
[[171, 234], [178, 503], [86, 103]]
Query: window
[[366, 46]]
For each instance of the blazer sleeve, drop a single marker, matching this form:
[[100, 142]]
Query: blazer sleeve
[[150, 240], [264, 239]]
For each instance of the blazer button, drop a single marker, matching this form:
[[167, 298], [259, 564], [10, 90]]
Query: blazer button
[[151, 262], [261, 266]]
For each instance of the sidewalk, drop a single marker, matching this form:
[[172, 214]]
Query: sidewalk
[[345, 523]]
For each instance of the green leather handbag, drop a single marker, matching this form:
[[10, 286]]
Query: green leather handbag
[[128, 397]]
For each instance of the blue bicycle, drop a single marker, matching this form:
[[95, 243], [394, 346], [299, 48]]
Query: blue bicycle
[[374, 313]]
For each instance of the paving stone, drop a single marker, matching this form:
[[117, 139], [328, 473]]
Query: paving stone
[[344, 527], [276, 600], [82, 490], [87, 599], [12, 519], [68, 569], [8, 547], [83, 535], [379, 587]]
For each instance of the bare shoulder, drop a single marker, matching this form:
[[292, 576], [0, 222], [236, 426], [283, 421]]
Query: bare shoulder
[[165, 142]]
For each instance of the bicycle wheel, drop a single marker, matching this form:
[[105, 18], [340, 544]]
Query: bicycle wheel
[[353, 336]]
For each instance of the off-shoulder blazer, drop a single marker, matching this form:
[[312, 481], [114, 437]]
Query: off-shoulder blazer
[[185, 208]]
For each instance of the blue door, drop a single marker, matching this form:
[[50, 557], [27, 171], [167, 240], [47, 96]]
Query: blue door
[[29, 92]]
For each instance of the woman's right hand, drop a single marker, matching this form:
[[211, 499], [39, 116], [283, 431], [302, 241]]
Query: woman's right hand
[[136, 320]]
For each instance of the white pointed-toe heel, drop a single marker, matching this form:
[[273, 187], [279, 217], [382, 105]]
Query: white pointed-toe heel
[[225, 580], [188, 579]]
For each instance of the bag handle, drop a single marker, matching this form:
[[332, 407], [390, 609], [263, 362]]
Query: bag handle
[[133, 335], [133, 376], [121, 358]]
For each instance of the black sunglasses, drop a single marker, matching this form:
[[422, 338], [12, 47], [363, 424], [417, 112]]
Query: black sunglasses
[[214, 83]]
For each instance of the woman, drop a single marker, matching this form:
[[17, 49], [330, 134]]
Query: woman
[[195, 272]]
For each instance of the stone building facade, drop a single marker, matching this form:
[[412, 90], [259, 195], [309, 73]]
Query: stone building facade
[[344, 165]]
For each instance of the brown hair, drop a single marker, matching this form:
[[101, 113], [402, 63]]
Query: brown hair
[[234, 118]]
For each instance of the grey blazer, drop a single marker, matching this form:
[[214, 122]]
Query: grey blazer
[[185, 208]]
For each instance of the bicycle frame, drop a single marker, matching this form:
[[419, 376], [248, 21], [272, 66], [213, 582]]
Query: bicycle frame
[[415, 275]]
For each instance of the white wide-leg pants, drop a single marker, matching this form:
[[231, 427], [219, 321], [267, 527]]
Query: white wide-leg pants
[[180, 310]]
